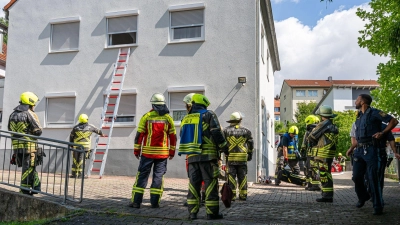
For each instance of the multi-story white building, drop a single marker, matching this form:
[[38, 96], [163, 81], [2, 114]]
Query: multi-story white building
[[64, 52], [337, 93]]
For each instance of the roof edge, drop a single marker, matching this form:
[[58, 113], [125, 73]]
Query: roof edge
[[8, 6]]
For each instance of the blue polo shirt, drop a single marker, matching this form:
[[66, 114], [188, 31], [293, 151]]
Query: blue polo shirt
[[370, 123]]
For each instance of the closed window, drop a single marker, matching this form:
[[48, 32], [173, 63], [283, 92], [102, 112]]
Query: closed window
[[187, 25], [64, 37], [277, 109], [277, 118], [126, 110], [312, 93], [60, 111], [176, 105], [300, 93], [122, 30]]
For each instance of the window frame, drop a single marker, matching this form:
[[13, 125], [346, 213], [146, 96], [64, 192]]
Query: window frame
[[181, 8], [186, 89], [298, 91], [124, 92], [119, 14], [59, 21], [55, 96]]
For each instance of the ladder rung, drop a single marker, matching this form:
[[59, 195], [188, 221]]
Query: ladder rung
[[105, 128], [96, 169], [116, 82], [111, 104], [124, 54], [122, 60], [98, 160], [108, 119], [120, 67], [102, 144], [114, 89], [100, 153], [109, 112], [118, 74], [113, 96]]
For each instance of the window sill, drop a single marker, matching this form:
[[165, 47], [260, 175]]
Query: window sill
[[64, 51], [123, 125], [51, 126], [120, 46], [186, 40]]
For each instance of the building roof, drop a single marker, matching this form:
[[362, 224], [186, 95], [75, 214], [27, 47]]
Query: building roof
[[6, 7], [326, 83]]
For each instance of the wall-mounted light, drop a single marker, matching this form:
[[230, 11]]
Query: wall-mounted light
[[242, 80]]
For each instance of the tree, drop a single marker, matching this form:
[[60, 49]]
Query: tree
[[279, 127], [381, 36], [304, 109], [4, 21], [344, 121]]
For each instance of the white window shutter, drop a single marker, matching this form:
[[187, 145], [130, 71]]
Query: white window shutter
[[65, 36]]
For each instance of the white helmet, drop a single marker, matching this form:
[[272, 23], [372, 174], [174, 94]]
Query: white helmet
[[235, 117], [188, 99], [157, 99]]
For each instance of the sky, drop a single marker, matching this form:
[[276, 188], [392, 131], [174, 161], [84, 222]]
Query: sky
[[318, 39], [2, 4]]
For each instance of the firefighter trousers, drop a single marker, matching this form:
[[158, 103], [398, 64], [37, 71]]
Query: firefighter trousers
[[325, 176], [208, 172], [312, 176], [77, 162], [30, 177], [142, 176], [239, 171]]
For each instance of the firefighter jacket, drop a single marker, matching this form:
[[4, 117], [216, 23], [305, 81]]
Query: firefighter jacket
[[156, 136], [81, 133], [212, 138], [324, 137], [23, 120], [240, 144], [306, 146], [291, 145], [191, 132]]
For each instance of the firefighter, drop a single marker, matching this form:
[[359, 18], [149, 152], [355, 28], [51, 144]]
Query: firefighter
[[287, 153], [80, 134], [342, 161], [240, 147], [324, 138], [155, 140], [313, 183], [26, 153], [201, 138]]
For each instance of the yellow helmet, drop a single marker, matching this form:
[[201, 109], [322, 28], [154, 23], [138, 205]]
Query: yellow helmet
[[157, 99], [83, 118], [293, 130], [340, 154], [397, 140], [235, 117], [188, 99], [200, 99], [312, 119], [29, 98]]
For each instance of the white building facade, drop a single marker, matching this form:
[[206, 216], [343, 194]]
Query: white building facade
[[65, 53]]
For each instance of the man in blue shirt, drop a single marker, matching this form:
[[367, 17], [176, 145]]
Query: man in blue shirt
[[369, 133]]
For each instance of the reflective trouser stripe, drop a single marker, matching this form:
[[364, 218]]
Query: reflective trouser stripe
[[135, 189], [243, 188], [208, 202], [195, 201]]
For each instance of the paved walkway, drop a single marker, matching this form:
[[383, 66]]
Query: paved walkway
[[105, 202]]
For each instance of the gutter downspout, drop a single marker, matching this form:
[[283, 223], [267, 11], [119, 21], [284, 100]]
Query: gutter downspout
[[257, 105]]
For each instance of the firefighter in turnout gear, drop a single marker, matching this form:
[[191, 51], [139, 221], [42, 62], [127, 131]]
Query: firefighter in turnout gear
[[324, 138], [313, 183], [201, 139], [287, 153], [155, 140], [81, 134], [26, 153], [240, 146]]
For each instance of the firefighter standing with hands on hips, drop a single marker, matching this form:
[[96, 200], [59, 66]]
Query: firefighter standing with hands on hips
[[81, 134], [155, 140], [202, 139], [240, 145], [26, 153]]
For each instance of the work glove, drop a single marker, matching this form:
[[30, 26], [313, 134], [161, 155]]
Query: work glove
[[13, 160], [249, 156], [136, 152], [88, 153], [40, 156]]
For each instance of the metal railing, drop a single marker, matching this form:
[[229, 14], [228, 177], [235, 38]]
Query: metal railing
[[53, 172]]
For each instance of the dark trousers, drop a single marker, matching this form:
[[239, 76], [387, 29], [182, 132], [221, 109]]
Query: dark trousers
[[208, 172], [30, 178], [293, 164], [156, 188], [325, 176], [239, 171], [77, 162], [312, 173], [368, 163]]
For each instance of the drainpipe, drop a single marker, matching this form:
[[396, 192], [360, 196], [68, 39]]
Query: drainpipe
[[257, 105]]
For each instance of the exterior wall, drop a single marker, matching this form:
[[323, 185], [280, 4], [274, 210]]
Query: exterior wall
[[266, 160], [154, 65], [286, 103], [342, 99], [297, 99]]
